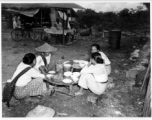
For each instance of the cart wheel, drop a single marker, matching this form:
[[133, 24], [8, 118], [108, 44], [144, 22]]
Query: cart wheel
[[17, 34], [33, 35]]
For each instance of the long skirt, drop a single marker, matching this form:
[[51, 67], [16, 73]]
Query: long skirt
[[34, 88], [87, 81]]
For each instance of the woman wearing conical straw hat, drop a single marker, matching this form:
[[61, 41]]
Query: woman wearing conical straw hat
[[44, 58]]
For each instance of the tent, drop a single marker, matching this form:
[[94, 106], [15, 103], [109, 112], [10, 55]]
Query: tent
[[30, 9]]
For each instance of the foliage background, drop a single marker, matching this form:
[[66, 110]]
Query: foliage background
[[126, 19]]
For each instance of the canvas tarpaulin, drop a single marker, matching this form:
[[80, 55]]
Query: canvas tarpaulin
[[29, 13]]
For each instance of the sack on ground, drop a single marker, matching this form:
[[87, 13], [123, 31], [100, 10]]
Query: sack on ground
[[8, 92], [41, 111]]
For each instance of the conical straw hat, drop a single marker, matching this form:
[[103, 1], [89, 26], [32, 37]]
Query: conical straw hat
[[46, 48]]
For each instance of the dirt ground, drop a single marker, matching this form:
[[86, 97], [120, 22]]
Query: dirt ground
[[120, 100]]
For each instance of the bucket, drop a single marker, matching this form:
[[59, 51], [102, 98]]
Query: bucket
[[114, 39], [67, 67]]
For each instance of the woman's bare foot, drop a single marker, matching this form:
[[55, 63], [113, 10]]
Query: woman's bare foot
[[31, 99], [80, 92], [48, 92]]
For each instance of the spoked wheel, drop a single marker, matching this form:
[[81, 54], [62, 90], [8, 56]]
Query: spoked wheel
[[33, 35], [17, 34]]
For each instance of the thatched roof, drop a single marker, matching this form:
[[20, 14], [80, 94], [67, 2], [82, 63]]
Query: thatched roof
[[23, 6]]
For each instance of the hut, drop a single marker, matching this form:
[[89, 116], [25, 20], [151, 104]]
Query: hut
[[42, 14]]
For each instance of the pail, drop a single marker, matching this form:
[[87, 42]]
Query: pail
[[67, 67]]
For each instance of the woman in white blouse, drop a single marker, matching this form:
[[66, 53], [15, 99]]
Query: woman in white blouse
[[96, 48], [94, 76], [31, 83]]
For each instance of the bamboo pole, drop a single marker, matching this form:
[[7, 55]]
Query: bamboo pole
[[63, 30], [145, 77], [41, 17], [147, 103]]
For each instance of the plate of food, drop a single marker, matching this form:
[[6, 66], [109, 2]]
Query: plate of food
[[67, 80]]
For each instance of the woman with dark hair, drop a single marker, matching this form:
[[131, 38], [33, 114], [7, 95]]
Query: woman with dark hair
[[96, 48], [30, 83], [93, 76]]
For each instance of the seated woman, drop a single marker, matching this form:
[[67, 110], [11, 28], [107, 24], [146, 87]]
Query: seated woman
[[96, 48], [58, 24], [93, 76], [15, 22], [31, 83], [44, 62]]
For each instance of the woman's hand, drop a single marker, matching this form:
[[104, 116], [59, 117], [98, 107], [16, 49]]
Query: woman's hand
[[43, 70]]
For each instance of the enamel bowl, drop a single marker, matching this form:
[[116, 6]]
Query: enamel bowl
[[76, 74], [52, 72], [67, 80], [67, 74], [49, 75], [75, 79]]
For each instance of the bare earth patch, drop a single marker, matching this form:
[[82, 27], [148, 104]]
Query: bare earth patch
[[119, 100]]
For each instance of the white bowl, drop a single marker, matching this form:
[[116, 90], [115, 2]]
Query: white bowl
[[75, 74], [67, 74], [49, 75], [75, 79], [67, 80], [52, 72]]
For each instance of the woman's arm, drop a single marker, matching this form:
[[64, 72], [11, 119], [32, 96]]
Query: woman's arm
[[90, 69], [43, 70], [35, 73], [108, 68]]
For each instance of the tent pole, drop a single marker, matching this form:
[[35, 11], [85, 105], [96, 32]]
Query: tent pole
[[63, 30], [41, 18]]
